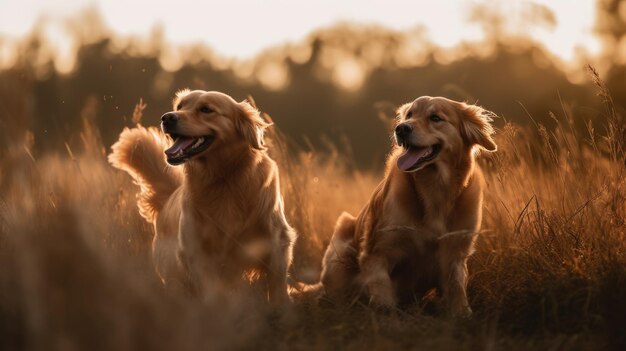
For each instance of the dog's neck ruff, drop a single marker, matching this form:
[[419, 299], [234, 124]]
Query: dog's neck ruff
[[439, 185], [213, 172]]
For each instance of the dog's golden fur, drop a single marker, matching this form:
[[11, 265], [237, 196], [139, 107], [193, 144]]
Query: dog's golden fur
[[418, 228], [220, 215]]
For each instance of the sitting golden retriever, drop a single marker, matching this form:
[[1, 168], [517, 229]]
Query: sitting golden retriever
[[418, 228], [220, 216]]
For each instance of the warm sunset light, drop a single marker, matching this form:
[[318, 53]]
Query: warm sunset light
[[243, 28], [312, 175]]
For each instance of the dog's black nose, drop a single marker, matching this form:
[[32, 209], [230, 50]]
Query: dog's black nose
[[403, 130], [169, 120]]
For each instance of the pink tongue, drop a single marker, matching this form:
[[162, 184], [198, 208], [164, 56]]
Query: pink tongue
[[410, 157], [180, 144]]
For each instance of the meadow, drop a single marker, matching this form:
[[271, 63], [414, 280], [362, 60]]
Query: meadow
[[549, 271]]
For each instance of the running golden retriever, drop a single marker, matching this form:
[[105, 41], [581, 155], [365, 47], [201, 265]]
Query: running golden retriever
[[220, 215], [418, 228]]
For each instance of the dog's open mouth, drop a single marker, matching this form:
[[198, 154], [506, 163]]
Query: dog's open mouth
[[185, 147], [414, 157]]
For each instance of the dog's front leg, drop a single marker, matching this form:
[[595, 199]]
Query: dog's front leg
[[196, 262], [454, 249], [375, 277], [454, 284], [279, 264], [277, 281], [200, 273]]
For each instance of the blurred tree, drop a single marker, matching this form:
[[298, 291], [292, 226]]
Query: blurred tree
[[495, 22], [389, 68], [611, 25]]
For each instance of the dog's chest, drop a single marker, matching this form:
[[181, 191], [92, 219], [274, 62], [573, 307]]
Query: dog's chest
[[429, 214], [221, 222], [228, 231]]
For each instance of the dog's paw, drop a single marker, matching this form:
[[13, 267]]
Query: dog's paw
[[461, 312], [381, 303], [284, 317]]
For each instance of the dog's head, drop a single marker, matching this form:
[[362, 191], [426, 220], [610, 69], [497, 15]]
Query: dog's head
[[203, 122], [435, 128]]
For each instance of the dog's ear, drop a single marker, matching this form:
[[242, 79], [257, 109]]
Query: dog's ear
[[401, 112], [386, 112], [476, 127], [251, 125], [179, 96]]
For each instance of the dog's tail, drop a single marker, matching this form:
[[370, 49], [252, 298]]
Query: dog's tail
[[339, 266], [139, 151]]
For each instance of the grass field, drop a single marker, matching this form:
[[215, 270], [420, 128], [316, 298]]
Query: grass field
[[549, 271]]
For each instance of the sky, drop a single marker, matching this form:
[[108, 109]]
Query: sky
[[242, 28]]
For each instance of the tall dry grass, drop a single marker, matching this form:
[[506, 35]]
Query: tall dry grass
[[549, 271]]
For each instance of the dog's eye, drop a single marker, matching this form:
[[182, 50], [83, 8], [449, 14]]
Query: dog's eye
[[409, 114], [180, 106], [205, 109], [436, 118]]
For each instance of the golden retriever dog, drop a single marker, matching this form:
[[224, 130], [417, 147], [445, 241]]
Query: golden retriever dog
[[418, 228], [219, 214]]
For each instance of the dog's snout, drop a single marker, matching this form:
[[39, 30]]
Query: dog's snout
[[169, 120], [403, 130]]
